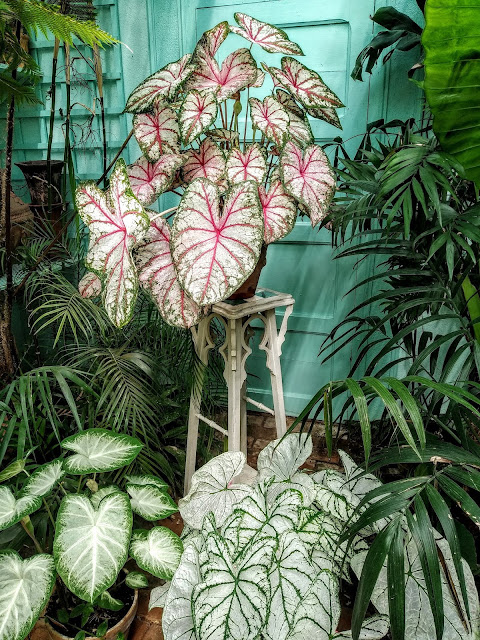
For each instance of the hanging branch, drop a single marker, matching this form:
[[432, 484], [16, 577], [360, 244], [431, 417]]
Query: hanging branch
[[99, 76]]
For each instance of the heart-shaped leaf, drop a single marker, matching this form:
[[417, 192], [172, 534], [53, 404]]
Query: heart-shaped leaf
[[157, 131], [299, 130], [157, 551], [287, 100], [206, 162], [136, 580], [215, 252], [43, 479], [224, 135], [99, 495], [374, 628], [270, 38], [237, 72], [329, 114], [91, 544], [309, 178], [279, 211], [150, 502], [162, 84], [147, 479], [210, 41], [116, 222], [212, 490], [13, 509], [90, 286], [305, 85], [248, 165], [197, 113], [158, 276], [99, 450], [158, 596], [25, 588], [177, 620], [271, 118], [149, 180], [259, 80]]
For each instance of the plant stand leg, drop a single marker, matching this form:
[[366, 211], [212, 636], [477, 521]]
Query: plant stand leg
[[243, 419], [235, 382], [272, 346]]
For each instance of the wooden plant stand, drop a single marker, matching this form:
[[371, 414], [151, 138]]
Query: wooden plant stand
[[237, 319]]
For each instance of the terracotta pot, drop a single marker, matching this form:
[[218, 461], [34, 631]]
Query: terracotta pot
[[249, 287], [147, 624], [44, 631]]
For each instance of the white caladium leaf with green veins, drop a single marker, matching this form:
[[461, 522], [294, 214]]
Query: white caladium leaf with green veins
[[90, 286], [177, 619], [250, 164], [158, 595], [91, 544], [208, 161], [215, 251], [136, 580], [150, 502], [157, 131], [197, 113], [25, 588], [212, 490], [279, 211], [232, 598], [157, 551], [99, 450], [13, 509], [117, 223], [333, 496], [149, 180], [270, 38], [99, 495], [147, 478], [43, 479], [308, 177], [271, 118], [238, 71], [162, 84], [157, 275], [374, 628]]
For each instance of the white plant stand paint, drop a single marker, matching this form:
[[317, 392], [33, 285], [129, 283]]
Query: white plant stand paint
[[237, 317]]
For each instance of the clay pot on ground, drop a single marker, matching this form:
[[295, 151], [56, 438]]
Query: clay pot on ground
[[36, 176], [249, 287], [147, 624]]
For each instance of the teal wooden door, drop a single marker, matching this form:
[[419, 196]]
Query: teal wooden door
[[331, 34]]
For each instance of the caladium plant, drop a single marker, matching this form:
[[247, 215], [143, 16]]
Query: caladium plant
[[94, 532], [241, 187]]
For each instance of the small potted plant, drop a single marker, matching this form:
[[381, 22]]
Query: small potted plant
[[73, 579], [241, 186]]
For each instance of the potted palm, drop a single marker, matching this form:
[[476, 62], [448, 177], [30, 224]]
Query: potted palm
[[241, 186]]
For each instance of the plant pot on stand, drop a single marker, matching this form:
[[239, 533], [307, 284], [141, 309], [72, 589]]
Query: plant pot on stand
[[36, 174], [248, 288]]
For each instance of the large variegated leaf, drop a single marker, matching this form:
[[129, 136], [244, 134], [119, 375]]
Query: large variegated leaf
[[374, 628], [162, 84], [237, 72], [271, 118], [260, 79], [147, 479], [210, 41], [157, 131], [158, 276], [91, 544], [197, 113], [232, 600], [208, 161], [13, 509], [90, 285], [333, 496], [212, 490], [329, 114], [279, 461], [157, 551], [43, 479], [270, 38], [117, 222], [99, 495], [177, 619], [305, 85], [136, 580], [286, 99], [299, 130], [215, 252], [149, 180], [309, 178], [150, 502], [250, 164], [25, 588], [99, 450], [357, 481], [279, 211], [224, 135]]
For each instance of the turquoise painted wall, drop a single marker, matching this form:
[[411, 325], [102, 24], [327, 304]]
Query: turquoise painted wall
[[331, 33]]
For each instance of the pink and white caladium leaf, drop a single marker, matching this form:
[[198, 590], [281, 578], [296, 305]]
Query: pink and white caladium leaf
[[157, 275], [210, 42], [157, 132], [271, 118], [206, 162], [215, 251], [90, 286], [197, 113], [329, 114], [279, 211], [299, 130], [270, 38], [287, 100], [260, 79], [117, 223], [305, 85], [162, 84], [309, 178], [150, 179], [248, 165], [237, 72], [224, 135]]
